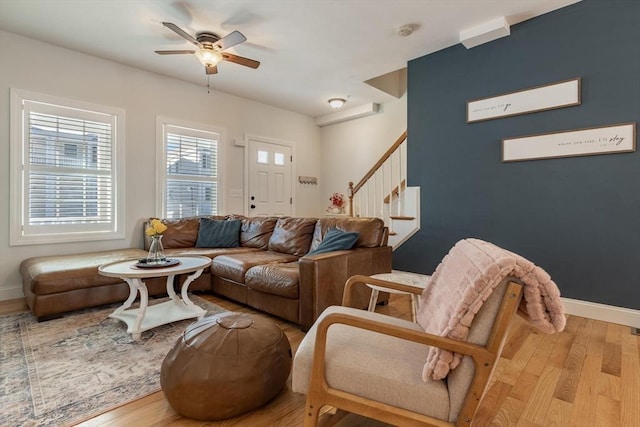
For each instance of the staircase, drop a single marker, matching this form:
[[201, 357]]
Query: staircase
[[383, 193]]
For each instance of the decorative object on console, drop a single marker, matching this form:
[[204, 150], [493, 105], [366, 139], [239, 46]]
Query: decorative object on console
[[539, 98], [620, 138], [337, 203], [156, 250]]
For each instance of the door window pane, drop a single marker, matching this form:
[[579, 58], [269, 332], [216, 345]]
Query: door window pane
[[278, 159], [263, 157]]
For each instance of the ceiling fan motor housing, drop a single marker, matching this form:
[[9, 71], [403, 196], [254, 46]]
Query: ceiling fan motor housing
[[207, 38]]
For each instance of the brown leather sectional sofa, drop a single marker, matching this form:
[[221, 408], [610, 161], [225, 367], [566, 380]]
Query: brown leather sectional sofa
[[270, 270]]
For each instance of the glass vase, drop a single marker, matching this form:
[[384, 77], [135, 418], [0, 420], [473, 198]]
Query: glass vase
[[156, 251]]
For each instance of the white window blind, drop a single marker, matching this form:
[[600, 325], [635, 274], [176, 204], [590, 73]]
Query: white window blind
[[67, 173], [191, 172]]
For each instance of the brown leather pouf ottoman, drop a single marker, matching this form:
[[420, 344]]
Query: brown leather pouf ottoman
[[225, 365]]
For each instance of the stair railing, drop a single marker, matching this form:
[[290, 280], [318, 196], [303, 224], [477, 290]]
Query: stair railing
[[381, 185]]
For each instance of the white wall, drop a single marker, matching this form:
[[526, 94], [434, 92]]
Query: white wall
[[143, 95], [351, 148]]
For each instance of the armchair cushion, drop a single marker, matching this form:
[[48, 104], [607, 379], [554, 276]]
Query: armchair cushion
[[336, 240], [218, 233], [373, 365]]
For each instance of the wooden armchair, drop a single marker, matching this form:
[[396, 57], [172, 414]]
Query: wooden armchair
[[371, 364]]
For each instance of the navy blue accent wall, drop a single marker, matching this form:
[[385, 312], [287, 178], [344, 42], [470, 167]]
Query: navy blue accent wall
[[578, 217]]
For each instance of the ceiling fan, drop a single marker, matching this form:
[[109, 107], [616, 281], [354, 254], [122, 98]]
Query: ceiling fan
[[211, 48]]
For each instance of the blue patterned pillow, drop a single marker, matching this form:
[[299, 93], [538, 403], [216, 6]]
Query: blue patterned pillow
[[215, 233], [336, 240]]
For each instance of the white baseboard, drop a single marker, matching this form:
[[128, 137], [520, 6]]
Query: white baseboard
[[11, 292], [607, 313], [590, 310]]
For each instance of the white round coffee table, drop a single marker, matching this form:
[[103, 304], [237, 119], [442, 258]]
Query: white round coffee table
[[404, 277], [147, 317]]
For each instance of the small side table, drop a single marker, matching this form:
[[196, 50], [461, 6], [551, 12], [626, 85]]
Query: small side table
[[404, 277], [147, 317]]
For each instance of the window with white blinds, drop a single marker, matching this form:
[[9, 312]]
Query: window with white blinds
[[191, 165], [67, 170]]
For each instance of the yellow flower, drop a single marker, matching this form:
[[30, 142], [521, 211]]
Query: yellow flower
[[155, 227]]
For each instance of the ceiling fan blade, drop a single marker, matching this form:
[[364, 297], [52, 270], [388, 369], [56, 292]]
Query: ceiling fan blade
[[179, 31], [240, 60], [231, 39], [211, 70], [173, 52]]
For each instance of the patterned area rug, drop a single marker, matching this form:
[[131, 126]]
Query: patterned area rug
[[65, 370]]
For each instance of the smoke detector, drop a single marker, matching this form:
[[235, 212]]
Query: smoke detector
[[405, 30]]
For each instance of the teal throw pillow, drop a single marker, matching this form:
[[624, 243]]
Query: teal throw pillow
[[336, 240], [218, 233]]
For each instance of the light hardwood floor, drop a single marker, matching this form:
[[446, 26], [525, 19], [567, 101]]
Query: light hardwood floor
[[588, 375]]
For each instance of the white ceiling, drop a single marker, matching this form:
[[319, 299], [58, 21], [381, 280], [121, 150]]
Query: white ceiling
[[310, 50]]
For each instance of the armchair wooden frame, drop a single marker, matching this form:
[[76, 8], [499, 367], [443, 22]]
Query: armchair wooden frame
[[484, 357]]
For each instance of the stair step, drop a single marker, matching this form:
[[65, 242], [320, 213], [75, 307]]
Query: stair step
[[403, 218]]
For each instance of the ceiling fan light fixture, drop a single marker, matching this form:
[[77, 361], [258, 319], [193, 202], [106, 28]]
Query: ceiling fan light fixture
[[336, 103], [209, 57]]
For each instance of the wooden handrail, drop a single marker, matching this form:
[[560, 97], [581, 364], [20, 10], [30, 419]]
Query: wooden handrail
[[353, 190], [379, 163]]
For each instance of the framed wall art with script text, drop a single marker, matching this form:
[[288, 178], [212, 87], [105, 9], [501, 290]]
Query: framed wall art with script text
[[539, 98], [619, 138]]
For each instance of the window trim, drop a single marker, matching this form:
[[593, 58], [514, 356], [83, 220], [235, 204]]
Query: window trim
[[17, 188], [161, 159]]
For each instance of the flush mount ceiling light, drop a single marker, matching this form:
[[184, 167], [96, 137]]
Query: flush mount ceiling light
[[209, 57], [336, 103]]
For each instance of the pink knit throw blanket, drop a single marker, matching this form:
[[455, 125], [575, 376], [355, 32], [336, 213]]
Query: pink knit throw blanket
[[464, 280]]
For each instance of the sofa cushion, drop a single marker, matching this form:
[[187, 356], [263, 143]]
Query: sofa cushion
[[292, 235], [256, 232], [233, 267], [275, 279], [180, 233], [371, 230], [210, 252], [214, 233], [336, 240]]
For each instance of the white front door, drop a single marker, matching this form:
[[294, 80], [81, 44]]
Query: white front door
[[269, 179]]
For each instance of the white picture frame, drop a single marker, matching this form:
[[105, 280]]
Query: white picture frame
[[618, 138], [561, 94]]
